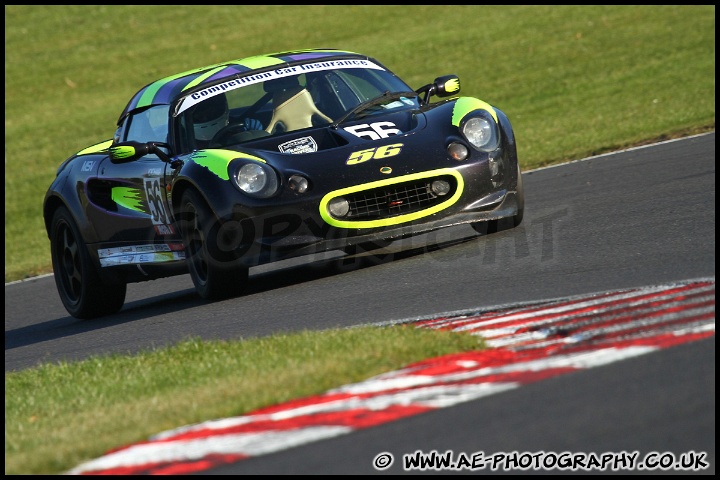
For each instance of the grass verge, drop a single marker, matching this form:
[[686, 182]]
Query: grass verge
[[59, 415]]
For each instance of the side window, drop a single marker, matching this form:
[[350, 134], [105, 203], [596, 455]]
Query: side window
[[117, 138], [150, 125], [343, 93], [324, 95]]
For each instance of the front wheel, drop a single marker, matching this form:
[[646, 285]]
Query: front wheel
[[82, 292], [216, 274]]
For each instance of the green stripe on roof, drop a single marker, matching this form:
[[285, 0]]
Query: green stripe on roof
[[152, 89], [202, 77], [258, 61]]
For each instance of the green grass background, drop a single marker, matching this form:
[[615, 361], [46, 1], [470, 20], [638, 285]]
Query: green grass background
[[574, 80]]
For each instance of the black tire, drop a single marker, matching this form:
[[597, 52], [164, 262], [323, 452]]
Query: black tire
[[82, 292], [216, 274]]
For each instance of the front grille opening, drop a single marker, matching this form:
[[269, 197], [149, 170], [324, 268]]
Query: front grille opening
[[397, 199]]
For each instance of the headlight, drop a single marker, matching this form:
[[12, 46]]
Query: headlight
[[482, 133], [256, 180]]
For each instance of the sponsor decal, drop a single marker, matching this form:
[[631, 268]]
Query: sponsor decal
[[142, 258], [135, 254], [198, 97], [119, 251], [87, 165], [385, 170], [164, 230], [299, 145]]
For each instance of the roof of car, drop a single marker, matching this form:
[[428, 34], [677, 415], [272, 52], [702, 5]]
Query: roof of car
[[168, 89]]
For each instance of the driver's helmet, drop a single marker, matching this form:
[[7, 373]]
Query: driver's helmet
[[210, 116]]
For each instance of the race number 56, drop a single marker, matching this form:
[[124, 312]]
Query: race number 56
[[374, 131], [374, 153], [155, 201]]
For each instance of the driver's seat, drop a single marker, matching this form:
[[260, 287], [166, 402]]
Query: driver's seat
[[294, 109]]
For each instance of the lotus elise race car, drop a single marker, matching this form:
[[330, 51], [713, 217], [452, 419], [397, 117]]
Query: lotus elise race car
[[221, 168]]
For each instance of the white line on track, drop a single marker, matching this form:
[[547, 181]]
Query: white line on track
[[538, 341]]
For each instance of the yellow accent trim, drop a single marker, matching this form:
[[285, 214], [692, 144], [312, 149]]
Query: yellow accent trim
[[97, 148], [217, 160], [452, 85], [231, 154], [127, 197], [465, 105], [385, 222]]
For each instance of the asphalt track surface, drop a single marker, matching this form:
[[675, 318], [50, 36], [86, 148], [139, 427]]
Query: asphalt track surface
[[635, 218]]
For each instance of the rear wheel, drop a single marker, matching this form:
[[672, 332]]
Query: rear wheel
[[216, 274], [82, 292]]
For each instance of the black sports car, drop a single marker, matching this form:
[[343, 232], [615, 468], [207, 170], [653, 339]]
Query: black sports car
[[250, 161]]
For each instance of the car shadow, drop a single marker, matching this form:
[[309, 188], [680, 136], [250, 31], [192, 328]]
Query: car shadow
[[363, 256], [68, 326], [265, 279]]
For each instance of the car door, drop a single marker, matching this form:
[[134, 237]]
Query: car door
[[138, 208]]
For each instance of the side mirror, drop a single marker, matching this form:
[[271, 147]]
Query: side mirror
[[444, 86], [126, 152]]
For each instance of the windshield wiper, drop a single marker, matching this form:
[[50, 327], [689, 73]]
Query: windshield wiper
[[385, 97]]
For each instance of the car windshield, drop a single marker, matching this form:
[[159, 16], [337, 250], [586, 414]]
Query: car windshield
[[242, 110]]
